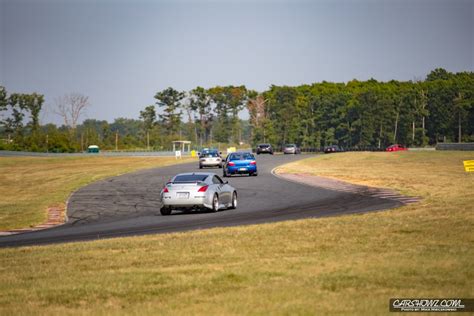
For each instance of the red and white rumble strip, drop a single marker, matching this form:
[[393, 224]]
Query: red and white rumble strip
[[338, 185], [55, 217]]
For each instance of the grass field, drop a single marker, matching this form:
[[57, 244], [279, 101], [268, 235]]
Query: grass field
[[341, 265], [29, 185]]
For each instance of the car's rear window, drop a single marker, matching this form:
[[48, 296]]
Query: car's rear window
[[190, 178], [243, 156], [290, 145], [213, 154], [264, 145]]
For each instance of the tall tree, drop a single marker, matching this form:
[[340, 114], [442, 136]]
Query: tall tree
[[221, 108], [170, 100], [281, 106], [149, 120], [3, 99], [228, 102], [200, 103], [438, 74], [71, 107], [256, 106], [419, 114], [440, 104], [34, 103], [3, 105], [14, 123], [236, 99]]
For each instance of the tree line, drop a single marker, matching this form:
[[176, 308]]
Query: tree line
[[361, 114], [207, 117], [356, 114]]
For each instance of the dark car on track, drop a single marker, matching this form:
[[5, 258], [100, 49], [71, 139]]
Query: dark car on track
[[264, 149], [332, 149], [240, 163]]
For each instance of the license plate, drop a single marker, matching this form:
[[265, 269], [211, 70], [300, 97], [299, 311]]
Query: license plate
[[243, 169], [183, 195]]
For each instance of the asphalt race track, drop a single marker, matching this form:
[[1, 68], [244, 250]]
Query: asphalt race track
[[129, 205]]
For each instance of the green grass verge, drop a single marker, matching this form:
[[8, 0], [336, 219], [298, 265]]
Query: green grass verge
[[29, 185], [341, 265]]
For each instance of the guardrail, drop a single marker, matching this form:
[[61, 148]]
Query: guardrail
[[145, 153], [6, 153], [321, 149], [422, 149], [455, 146]]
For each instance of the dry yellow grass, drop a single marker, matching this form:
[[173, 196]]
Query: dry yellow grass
[[344, 265], [29, 185], [437, 176]]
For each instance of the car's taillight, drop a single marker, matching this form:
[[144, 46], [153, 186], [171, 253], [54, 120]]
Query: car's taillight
[[203, 189], [231, 164], [165, 190], [253, 162]]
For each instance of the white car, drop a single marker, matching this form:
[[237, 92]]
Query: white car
[[196, 191], [291, 149], [210, 159]]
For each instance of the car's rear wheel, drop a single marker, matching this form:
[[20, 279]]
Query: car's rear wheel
[[234, 201], [200, 166], [165, 210], [255, 174], [220, 166], [215, 203]]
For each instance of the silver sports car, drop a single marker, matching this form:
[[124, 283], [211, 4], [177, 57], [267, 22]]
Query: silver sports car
[[291, 149], [210, 159], [196, 191]]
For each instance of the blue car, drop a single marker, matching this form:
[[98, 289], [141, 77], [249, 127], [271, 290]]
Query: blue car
[[240, 163]]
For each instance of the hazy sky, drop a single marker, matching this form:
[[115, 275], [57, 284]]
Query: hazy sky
[[120, 53]]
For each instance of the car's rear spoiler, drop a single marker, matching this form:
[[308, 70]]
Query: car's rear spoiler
[[187, 182]]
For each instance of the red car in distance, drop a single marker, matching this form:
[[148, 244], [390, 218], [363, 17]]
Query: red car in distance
[[396, 147]]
